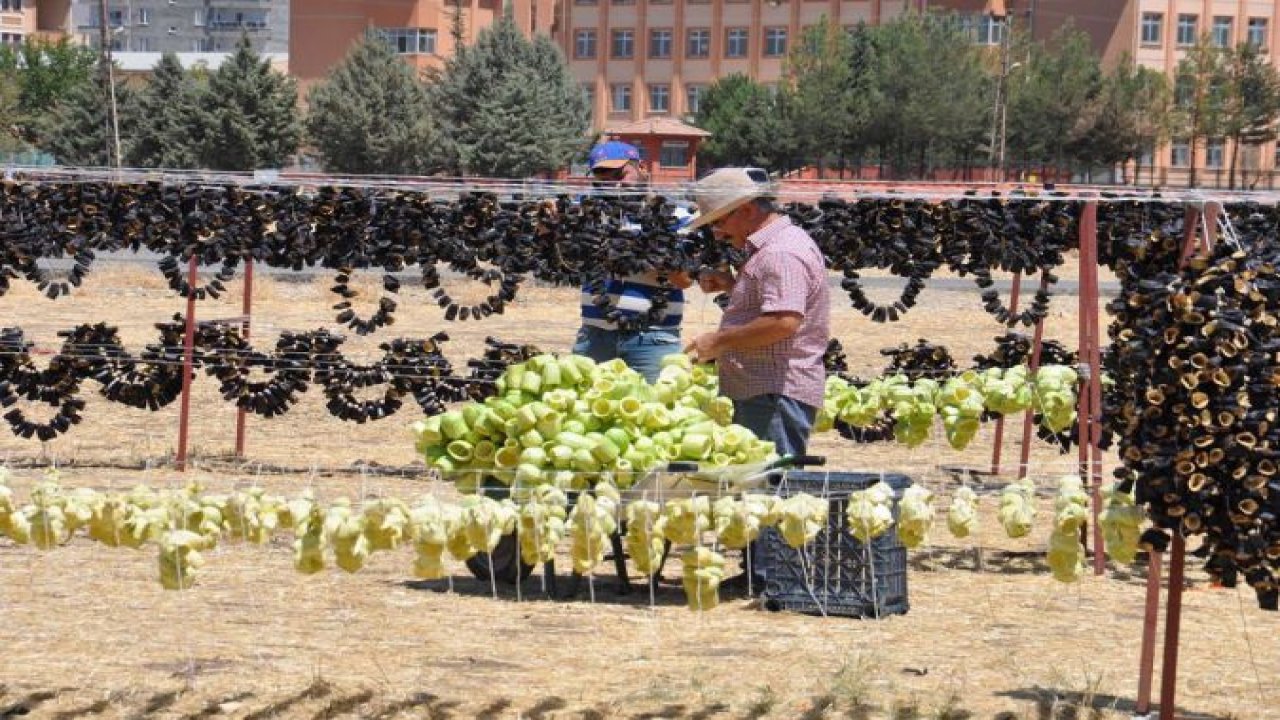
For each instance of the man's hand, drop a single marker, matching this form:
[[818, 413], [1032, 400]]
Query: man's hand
[[715, 281], [704, 348]]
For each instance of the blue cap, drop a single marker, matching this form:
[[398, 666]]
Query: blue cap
[[612, 154]]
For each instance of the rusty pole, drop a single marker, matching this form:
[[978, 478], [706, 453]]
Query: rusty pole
[[188, 363], [1028, 418], [1150, 623], [245, 327], [1014, 293], [1090, 426], [1172, 628]]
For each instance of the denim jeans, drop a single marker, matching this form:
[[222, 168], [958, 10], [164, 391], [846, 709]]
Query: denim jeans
[[641, 350], [786, 421]]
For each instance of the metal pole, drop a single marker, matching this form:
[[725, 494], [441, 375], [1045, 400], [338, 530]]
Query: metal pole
[[1172, 628], [1150, 623], [1013, 308], [1028, 418], [247, 310], [188, 363], [1090, 434]]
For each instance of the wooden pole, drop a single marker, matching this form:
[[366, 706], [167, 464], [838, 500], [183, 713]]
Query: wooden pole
[[1172, 629]]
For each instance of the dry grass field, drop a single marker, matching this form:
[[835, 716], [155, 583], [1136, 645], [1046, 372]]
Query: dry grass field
[[87, 631]]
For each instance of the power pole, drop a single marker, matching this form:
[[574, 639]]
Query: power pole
[[999, 125], [108, 79]]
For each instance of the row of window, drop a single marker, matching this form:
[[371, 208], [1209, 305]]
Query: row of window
[[1188, 30], [659, 97], [219, 19], [622, 43], [10, 5], [410, 41]]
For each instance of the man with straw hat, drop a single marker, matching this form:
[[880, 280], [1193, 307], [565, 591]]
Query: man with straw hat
[[775, 328]]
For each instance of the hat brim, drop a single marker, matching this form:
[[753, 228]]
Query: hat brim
[[610, 164], [709, 217]]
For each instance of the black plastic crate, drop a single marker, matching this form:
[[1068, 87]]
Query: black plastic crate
[[836, 574]]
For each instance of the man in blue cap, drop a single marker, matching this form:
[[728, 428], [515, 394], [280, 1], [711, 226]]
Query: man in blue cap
[[616, 164]]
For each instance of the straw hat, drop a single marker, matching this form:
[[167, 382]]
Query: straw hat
[[724, 191]]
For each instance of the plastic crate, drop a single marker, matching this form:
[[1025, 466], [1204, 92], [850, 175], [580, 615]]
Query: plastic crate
[[835, 574]]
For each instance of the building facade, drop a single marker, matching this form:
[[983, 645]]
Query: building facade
[[423, 31], [183, 26], [20, 19]]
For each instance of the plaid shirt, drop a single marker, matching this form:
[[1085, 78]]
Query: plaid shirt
[[784, 272]]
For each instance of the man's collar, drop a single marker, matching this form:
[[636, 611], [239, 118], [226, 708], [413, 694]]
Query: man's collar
[[757, 239]]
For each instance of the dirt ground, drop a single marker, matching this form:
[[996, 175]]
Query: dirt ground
[[87, 631]]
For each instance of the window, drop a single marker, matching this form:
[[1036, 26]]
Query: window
[[1258, 32], [1184, 89], [1152, 24], [584, 44], [623, 45], [693, 98], [225, 19], [410, 41], [1181, 154], [1213, 154], [198, 19], [660, 43], [675, 153], [11, 39], [620, 97], [1186, 30], [775, 41], [659, 98], [1222, 32], [144, 16], [11, 5], [990, 30], [699, 43], [142, 44], [202, 45], [735, 43]]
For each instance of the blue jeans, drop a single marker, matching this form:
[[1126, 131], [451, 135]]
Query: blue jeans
[[786, 421], [641, 350]]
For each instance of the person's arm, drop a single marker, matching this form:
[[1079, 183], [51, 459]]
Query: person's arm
[[765, 330]]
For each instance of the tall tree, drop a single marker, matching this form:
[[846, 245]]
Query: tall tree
[[371, 115], [250, 114], [47, 70], [822, 106], [74, 130], [747, 125], [166, 117], [1050, 99], [1252, 102], [862, 94], [1200, 95], [931, 95], [508, 106]]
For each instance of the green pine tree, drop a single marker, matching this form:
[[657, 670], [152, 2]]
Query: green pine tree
[[250, 114], [168, 132], [372, 116], [75, 130], [747, 125], [508, 106]]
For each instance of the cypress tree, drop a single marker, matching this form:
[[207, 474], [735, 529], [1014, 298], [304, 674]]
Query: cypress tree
[[372, 116], [508, 106], [168, 131], [251, 114]]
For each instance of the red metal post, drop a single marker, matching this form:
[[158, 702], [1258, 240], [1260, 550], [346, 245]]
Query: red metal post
[[188, 362], [247, 310], [1090, 435], [1028, 419], [1150, 622], [1014, 293], [1172, 629]]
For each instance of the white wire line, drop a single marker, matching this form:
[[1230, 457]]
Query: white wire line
[[817, 189]]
